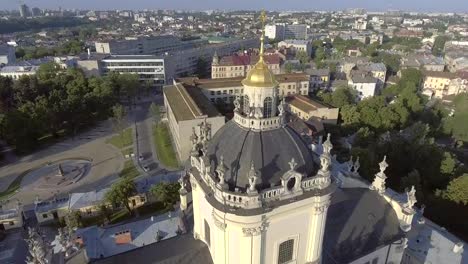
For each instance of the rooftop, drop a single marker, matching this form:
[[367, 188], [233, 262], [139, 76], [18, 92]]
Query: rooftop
[[188, 103], [14, 69], [305, 103], [437, 74], [81, 200], [363, 79], [101, 242], [50, 205], [295, 42], [434, 244], [183, 249]]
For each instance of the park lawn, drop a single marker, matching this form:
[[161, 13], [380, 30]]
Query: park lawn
[[164, 149], [14, 186], [129, 170], [123, 140]]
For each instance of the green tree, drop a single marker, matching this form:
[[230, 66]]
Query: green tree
[[303, 57], [392, 61], [349, 115], [73, 220], [121, 192], [288, 67], [201, 69], [105, 211], [343, 96], [448, 163], [118, 118], [457, 190], [439, 44], [168, 193], [129, 84]]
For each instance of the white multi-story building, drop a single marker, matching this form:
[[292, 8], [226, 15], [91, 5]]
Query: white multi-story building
[[150, 69], [284, 31], [366, 86], [15, 72]]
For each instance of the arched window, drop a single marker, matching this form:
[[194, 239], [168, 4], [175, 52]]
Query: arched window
[[267, 106], [286, 251], [246, 105]]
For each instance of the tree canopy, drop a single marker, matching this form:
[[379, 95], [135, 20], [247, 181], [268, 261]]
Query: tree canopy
[[457, 190], [52, 103], [121, 192]]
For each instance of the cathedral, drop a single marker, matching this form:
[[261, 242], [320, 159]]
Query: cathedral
[[260, 194]]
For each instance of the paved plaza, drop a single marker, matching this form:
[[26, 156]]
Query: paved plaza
[[105, 163]]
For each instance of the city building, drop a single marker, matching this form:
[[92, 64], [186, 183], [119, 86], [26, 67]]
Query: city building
[[319, 78], [295, 31], [293, 84], [286, 31], [297, 45], [7, 54], [237, 65], [257, 198], [274, 32], [24, 11], [185, 62], [150, 69], [51, 210], [188, 110], [427, 62], [306, 108], [112, 241], [441, 84], [15, 72], [226, 90], [360, 24], [365, 85], [11, 216], [145, 46]]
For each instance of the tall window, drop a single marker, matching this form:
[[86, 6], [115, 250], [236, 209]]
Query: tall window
[[286, 251], [246, 104], [207, 233], [267, 105]]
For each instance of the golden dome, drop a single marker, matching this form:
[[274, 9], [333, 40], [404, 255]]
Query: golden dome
[[260, 75]]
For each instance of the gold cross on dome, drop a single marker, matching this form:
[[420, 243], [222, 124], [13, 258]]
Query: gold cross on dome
[[263, 17]]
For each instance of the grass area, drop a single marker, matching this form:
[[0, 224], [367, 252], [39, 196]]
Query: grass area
[[122, 140], [129, 170], [14, 186], [164, 149]]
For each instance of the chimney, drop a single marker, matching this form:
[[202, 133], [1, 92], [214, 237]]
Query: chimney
[[89, 53], [123, 237]]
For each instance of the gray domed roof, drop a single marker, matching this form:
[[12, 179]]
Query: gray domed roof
[[270, 151]]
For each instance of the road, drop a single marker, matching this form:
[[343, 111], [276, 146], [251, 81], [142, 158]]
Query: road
[[144, 145]]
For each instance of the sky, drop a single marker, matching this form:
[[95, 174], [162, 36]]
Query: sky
[[375, 5]]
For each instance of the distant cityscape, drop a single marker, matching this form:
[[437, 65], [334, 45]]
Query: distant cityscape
[[171, 136]]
